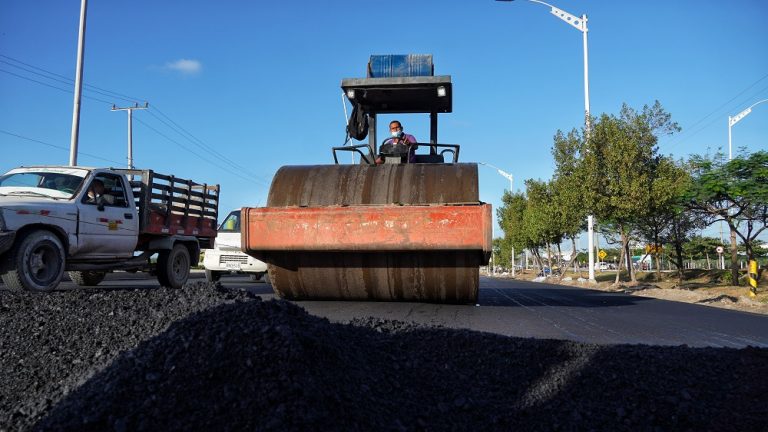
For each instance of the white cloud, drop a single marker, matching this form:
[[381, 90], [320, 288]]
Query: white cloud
[[185, 66]]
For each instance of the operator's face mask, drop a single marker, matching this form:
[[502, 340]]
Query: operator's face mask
[[397, 133]]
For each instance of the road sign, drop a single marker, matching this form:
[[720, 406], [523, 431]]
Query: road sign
[[602, 254], [719, 249], [649, 248]]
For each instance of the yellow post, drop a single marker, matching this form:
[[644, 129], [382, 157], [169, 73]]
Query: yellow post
[[752, 278]]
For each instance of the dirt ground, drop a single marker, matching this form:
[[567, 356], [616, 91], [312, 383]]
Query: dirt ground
[[700, 287]]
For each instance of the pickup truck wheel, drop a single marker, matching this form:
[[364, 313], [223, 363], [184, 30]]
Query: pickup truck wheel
[[212, 275], [173, 266], [256, 277], [87, 278], [36, 263]]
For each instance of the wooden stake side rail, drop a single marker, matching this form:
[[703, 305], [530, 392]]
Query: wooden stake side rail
[[170, 205], [370, 228]]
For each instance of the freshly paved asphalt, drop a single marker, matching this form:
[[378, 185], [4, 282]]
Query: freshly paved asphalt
[[537, 310]]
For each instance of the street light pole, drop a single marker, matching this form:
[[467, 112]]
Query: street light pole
[[511, 179], [732, 121], [579, 24], [504, 174], [735, 119]]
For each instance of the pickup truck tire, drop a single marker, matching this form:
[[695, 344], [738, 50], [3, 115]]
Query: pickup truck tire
[[173, 266], [257, 277], [36, 263], [212, 275], [87, 277]]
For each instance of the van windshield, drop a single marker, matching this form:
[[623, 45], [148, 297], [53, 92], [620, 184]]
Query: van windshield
[[231, 223]]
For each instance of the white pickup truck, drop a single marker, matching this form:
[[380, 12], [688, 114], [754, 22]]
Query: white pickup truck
[[227, 256], [89, 221]]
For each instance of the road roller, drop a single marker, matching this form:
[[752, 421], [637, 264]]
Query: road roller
[[404, 224]]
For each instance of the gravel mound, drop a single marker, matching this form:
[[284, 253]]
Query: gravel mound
[[52, 344], [200, 359]]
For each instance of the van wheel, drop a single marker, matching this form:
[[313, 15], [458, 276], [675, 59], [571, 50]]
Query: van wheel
[[36, 263], [212, 276], [87, 278], [256, 277], [173, 266]]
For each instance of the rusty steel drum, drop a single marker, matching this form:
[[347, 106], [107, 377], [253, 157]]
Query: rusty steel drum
[[405, 232]]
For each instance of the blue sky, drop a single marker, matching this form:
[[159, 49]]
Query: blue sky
[[251, 86]]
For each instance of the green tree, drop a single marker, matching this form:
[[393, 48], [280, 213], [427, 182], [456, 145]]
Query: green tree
[[618, 162], [735, 192], [567, 190], [540, 220], [502, 253], [699, 247], [667, 221], [510, 216]]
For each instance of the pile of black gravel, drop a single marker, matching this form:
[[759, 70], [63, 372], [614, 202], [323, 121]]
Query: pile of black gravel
[[51, 344], [199, 359]]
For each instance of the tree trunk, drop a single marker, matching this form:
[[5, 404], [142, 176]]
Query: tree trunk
[[570, 261], [630, 264], [539, 260], [573, 256], [679, 261], [655, 255], [709, 266], [621, 262], [641, 263], [734, 256], [549, 257]]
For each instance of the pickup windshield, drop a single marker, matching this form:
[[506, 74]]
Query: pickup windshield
[[50, 184]]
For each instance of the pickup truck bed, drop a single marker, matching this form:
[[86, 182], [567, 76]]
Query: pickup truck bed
[[169, 205]]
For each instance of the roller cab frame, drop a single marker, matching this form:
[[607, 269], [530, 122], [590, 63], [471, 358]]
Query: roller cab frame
[[401, 95], [396, 231]]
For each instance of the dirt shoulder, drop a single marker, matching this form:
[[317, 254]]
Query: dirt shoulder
[[699, 287]]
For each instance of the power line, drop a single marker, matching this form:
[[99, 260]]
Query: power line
[[69, 80], [170, 123], [57, 146], [694, 131], [199, 143], [52, 86], [63, 81], [197, 154]]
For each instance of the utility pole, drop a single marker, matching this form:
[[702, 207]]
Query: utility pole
[[78, 86], [130, 127]]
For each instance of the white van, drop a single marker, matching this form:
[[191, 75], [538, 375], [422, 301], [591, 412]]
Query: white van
[[602, 266], [226, 255]]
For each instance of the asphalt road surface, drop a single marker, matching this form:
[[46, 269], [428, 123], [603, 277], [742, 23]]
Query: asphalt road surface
[[537, 310]]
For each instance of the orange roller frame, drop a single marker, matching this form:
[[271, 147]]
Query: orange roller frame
[[369, 228]]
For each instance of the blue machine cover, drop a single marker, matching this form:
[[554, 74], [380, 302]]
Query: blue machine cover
[[396, 65]]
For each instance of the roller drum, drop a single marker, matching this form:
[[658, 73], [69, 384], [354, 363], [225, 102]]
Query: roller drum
[[427, 276], [415, 184]]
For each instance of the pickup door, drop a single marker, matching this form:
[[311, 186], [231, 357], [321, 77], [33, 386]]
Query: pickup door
[[107, 228]]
